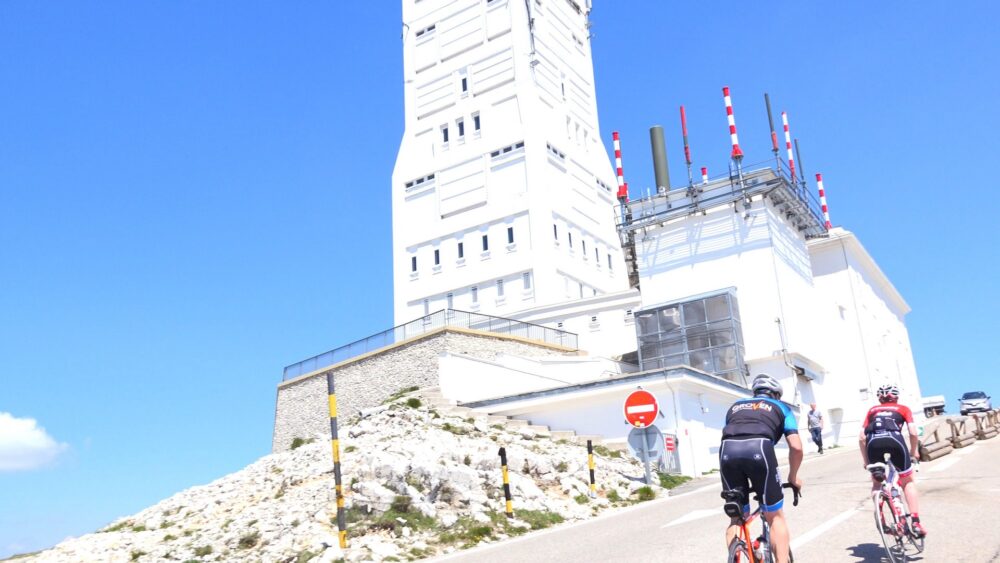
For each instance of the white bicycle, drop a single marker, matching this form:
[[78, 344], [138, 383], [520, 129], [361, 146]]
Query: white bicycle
[[892, 517]]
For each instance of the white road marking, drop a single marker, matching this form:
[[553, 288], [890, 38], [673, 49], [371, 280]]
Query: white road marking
[[692, 516], [802, 539]]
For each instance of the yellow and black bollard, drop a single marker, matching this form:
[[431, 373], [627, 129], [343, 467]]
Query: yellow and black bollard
[[590, 464], [335, 444], [506, 482]]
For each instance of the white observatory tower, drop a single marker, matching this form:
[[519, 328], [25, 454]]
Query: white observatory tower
[[503, 198]]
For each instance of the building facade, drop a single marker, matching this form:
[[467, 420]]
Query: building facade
[[502, 193]]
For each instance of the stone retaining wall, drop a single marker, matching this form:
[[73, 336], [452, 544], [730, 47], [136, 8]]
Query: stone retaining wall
[[366, 381]]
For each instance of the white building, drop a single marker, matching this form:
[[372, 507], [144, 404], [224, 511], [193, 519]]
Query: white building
[[503, 196]]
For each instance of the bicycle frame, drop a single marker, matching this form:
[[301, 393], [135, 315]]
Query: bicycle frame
[[891, 493], [738, 497]]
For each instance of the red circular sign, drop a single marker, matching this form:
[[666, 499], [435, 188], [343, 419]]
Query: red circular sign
[[641, 408]]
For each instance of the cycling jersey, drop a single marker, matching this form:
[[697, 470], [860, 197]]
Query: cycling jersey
[[759, 417], [746, 455], [884, 435]]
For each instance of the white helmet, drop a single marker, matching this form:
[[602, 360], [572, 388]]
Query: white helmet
[[764, 382], [888, 392]]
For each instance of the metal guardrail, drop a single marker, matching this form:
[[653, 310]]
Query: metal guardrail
[[428, 323]]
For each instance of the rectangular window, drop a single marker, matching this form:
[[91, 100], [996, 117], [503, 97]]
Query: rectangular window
[[510, 235], [413, 263], [581, 291], [427, 307], [583, 243], [475, 294], [486, 243], [465, 84], [499, 288], [597, 255], [444, 134], [451, 300], [475, 122], [555, 231], [527, 280], [609, 260], [461, 250], [571, 241], [437, 257], [461, 127]]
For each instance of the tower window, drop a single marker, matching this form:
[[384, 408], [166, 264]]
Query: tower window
[[465, 84], [475, 122], [461, 127], [555, 231], [427, 307], [451, 300], [437, 257], [527, 280], [413, 263], [570, 240], [475, 294], [583, 244], [597, 256], [609, 260], [510, 235], [486, 243], [499, 288], [444, 133], [461, 250]]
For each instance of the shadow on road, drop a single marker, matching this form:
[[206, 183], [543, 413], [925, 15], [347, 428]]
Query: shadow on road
[[873, 553]]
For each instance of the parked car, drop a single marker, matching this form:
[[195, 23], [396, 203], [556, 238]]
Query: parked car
[[974, 401], [933, 405]]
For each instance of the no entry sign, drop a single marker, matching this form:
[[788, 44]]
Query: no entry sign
[[641, 408]]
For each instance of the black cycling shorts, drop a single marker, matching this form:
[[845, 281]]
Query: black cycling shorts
[[890, 443], [743, 460]]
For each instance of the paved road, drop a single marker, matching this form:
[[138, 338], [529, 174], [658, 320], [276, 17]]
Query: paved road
[[960, 494]]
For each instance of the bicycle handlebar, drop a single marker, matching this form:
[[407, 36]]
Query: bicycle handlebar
[[796, 492]]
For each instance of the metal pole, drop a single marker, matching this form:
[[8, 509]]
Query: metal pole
[[335, 448], [645, 456], [687, 147], [661, 169], [802, 169]]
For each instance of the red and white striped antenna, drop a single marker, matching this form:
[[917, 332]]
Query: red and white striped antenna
[[704, 175], [622, 186], [788, 146], [822, 200], [737, 154], [687, 148]]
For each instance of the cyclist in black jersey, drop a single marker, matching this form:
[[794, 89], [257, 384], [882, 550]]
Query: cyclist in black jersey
[[753, 427]]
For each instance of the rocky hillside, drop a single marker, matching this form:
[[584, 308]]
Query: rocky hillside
[[418, 482]]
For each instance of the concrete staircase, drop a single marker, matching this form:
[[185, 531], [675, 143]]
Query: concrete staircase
[[432, 396]]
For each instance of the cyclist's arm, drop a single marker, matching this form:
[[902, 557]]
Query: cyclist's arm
[[863, 444], [914, 441], [795, 454]]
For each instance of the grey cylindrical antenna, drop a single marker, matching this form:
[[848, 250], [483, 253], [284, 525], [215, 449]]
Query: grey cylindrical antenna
[[660, 169], [798, 160], [770, 121]]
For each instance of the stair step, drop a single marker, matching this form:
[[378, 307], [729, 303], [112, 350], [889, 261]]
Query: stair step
[[562, 434], [516, 422], [496, 419], [582, 439], [539, 429]]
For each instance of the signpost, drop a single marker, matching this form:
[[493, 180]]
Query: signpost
[[645, 440]]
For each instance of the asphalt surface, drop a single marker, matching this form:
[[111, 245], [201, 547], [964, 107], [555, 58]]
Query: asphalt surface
[[832, 523]]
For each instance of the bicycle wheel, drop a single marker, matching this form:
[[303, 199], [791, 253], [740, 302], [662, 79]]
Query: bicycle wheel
[[887, 523], [738, 551]]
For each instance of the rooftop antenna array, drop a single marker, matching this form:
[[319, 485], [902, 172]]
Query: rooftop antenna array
[[737, 154], [788, 147], [822, 201], [770, 123]]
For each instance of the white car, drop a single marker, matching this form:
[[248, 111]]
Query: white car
[[974, 401]]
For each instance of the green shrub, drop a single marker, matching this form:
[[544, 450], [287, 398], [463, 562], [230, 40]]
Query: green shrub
[[169, 537], [413, 403], [457, 430], [606, 452], [645, 493], [562, 466], [581, 499], [203, 550], [305, 556], [299, 442], [539, 519], [119, 526], [350, 449], [668, 481], [467, 460], [139, 528], [613, 496], [136, 554], [401, 504], [249, 540]]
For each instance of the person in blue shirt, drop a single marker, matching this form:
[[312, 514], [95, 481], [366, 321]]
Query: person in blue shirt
[[753, 427]]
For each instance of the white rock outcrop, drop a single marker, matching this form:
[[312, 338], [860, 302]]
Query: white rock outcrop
[[437, 475]]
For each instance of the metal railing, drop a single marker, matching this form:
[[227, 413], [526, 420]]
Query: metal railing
[[428, 323]]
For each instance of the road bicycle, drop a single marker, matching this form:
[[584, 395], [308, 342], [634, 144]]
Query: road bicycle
[[743, 549], [893, 521]]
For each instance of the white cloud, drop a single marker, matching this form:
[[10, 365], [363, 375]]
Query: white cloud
[[24, 445]]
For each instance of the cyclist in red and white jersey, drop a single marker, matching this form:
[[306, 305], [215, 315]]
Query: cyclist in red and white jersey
[[882, 433]]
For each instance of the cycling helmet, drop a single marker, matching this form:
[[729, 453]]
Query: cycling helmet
[[888, 393], [764, 383]]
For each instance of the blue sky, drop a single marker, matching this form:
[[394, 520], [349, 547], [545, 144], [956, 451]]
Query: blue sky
[[193, 195]]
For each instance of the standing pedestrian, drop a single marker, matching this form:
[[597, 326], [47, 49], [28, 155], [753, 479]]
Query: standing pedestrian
[[816, 426]]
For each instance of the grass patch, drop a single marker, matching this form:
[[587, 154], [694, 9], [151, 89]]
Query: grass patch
[[413, 403], [644, 494], [227, 523], [305, 556], [613, 496], [22, 555], [249, 540], [203, 550], [139, 528], [456, 430], [169, 537], [562, 467], [398, 394], [415, 482], [299, 442], [136, 554], [467, 460], [581, 499], [166, 524], [539, 519], [607, 452], [668, 481], [350, 449], [467, 532], [119, 526]]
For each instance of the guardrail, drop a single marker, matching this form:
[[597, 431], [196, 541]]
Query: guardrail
[[942, 435], [429, 323]]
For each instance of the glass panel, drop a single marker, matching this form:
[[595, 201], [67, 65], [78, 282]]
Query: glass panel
[[670, 319], [720, 333], [734, 306], [717, 307], [646, 323], [697, 337], [674, 360], [702, 359], [672, 346], [649, 351], [694, 313], [725, 358]]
